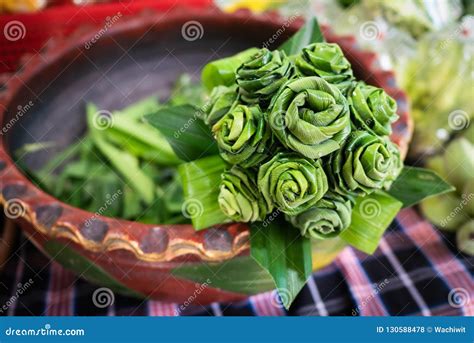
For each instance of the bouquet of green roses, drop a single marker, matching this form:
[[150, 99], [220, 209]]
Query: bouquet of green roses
[[292, 143]]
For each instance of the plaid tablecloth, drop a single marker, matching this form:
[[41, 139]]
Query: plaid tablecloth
[[416, 271]]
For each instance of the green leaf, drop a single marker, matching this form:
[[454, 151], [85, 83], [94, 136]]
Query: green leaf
[[125, 164], [139, 109], [415, 184], [240, 275], [284, 253], [142, 139], [201, 180], [371, 216], [187, 92], [309, 33], [187, 134], [222, 72], [86, 268]]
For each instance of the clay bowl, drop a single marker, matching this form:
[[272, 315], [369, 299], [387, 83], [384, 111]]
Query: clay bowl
[[165, 262]]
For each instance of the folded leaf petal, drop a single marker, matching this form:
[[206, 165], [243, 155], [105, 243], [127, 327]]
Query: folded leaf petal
[[327, 61], [243, 136], [365, 163], [292, 183], [326, 219], [262, 75], [310, 116], [372, 109], [221, 100], [239, 198]]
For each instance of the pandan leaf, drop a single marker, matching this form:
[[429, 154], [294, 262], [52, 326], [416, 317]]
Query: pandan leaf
[[371, 216], [284, 253], [187, 134], [240, 275], [222, 72], [201, 180], [415, 184], [309, 33], [125, 164]]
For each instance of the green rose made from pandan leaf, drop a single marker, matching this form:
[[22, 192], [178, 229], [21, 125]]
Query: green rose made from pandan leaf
[[243, 136], [326, 219], [372, 109], [327, 61], [310, 116], [365, 163], [262, 75], [239, 198], [291, 182]]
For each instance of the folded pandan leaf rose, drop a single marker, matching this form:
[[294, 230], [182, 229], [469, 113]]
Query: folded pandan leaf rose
[[365, 163], [243, 136], [292, 183], [327, 61], [326, 219], [262, 75], [310, 116], [397, 163], [239, 198], [221, 100], [372, 109]]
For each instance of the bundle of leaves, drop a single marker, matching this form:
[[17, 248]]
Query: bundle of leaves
[[292, 143]]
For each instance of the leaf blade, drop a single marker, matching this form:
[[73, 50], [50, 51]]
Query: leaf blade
[[187, 134], [309, 33], [222, 72], [371, 216], [415, 184], [284, 253], [241, 275], [201, 180]]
